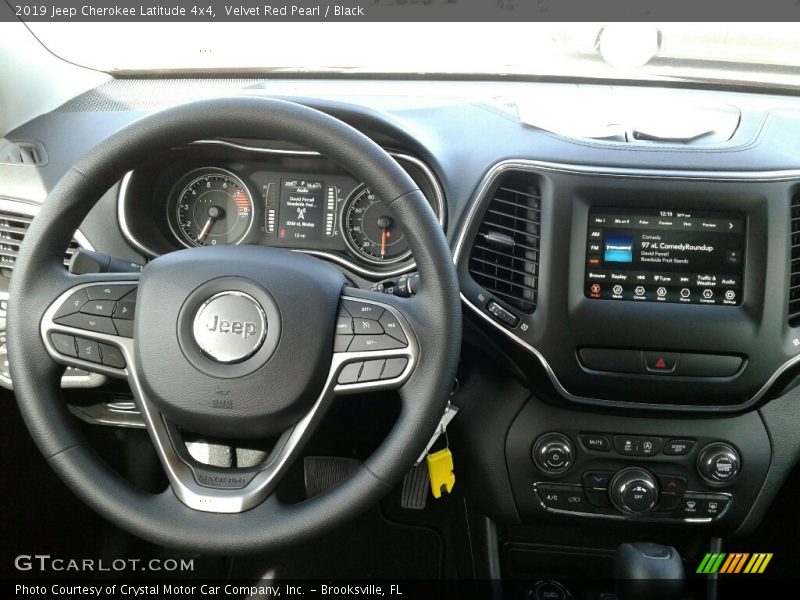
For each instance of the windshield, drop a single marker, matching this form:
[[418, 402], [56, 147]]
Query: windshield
[[766, 53]]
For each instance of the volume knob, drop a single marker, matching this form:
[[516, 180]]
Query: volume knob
[[553, 453]]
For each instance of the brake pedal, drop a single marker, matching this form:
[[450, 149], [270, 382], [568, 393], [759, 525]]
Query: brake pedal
[[324, 472]]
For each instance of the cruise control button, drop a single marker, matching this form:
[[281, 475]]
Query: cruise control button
[[362, 309], [344, 325], [362, 343], [72, 304], [88, 323], [350, 373], [101, 308], [64, 344], [371, 371], [112, 356], [341, 342], [124, 327], [125, 310], [392, 327], [394, 367], [109, 292], [366, 327], [678, 447], [88, 350]]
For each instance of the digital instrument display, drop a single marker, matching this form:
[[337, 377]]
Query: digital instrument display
[[301, 212], [655, 255]]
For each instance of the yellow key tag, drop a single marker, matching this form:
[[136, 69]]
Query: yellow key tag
[[440, 471]]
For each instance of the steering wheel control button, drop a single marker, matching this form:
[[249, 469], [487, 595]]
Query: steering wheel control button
[[366, 327], [109, 292], [362, 343], [362, 310], [661, 362], [88, 323], [371, 370], [596, 442], [391, 326], [563, 497], [678, 447], [64, 344], [72, 304], [344, 326], [101, 308], [89, 350], [394, 367], [111, 356], [125, 310], [350, 373], [230, 327], [553, 453], [124, 327], [634, 491], [341, 342], [718, 463]]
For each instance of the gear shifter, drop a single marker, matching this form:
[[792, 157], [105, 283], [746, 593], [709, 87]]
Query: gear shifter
[[651, 571]]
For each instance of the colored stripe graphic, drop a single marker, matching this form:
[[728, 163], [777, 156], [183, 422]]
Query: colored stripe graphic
[[736, 562]]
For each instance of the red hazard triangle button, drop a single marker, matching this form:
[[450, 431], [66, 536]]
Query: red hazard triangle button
[[661, 362]]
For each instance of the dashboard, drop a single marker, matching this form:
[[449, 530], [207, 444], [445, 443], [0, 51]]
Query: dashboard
[[250, 192], [632, 308]]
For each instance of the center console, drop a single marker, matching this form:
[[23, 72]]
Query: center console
[[649, 311]]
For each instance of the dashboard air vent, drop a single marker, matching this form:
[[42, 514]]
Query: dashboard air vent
[[794, 277], [12, 231], [22, 153], [505, 254]]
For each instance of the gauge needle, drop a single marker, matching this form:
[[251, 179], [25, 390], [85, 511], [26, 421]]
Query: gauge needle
[[206, 228], [214, 213], [384, 223]]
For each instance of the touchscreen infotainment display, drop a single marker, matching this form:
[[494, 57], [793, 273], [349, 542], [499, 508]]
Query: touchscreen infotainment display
[[655, 255]]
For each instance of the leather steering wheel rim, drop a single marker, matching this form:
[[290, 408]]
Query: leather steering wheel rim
[[39, 278]]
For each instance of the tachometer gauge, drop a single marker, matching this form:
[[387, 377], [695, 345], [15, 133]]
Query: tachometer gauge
[[370, 230], [209, 207]]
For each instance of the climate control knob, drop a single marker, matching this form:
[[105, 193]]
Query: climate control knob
[[634, 491], [553, 453], [718, 463]]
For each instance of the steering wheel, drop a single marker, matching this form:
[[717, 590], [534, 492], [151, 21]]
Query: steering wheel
[[242, 342]]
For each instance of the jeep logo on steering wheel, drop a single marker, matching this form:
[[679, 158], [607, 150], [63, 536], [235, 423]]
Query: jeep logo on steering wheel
[[230, 327]]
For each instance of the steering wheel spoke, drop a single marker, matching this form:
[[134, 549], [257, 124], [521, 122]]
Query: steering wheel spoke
[[90, 325], [374, 346]]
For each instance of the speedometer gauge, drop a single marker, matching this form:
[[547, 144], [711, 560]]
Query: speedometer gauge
[[370, 229], [209, 207]]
